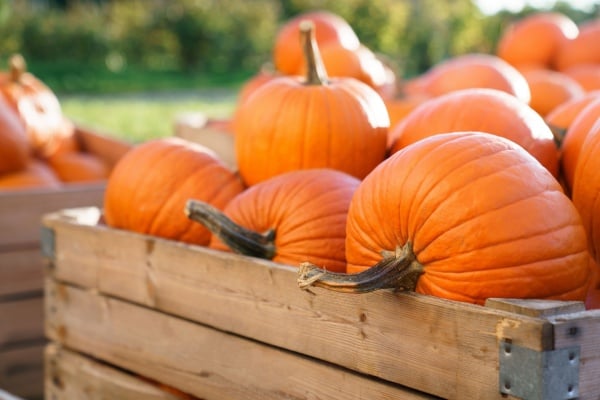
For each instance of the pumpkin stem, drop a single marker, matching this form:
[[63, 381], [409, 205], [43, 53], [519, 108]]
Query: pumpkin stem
[[315, 69], [558, 133], [398, 270], [239, 239], [17, 66]]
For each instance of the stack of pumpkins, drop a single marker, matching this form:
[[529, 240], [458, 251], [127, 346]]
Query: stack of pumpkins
[[39, 147], [464, 196]]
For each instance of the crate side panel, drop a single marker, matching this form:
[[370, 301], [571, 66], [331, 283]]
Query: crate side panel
[[21, 271], [197, 359], [21, 371], [21, 321], [70, 375], [436, 346]]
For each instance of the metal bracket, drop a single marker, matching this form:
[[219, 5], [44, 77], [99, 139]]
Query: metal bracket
[[47, 242], [539, 375]]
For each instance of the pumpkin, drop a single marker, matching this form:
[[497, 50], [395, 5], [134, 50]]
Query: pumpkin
[[254, 82], [582, 49], [290, 218], [486, 110], [295, 123], [464, 216], [329, 28], [592, 300], [79, 167], [561, 117], [49, 131], [586, 186], [14, 146], [147, 190], [473, 70], [36, 174], [536, 38], [587, 75], [574, 138], [400, 107], [549, 89]]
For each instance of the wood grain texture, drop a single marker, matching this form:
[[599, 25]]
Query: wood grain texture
[[445, 348], [21, 271], [197, 359], [21, 371], [21, 321], [70, 375]]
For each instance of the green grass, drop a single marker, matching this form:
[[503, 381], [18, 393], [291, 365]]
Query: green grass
[[140, 117]]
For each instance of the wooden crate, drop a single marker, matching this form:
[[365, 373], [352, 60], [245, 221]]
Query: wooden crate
[[22, 265], [219, 325]]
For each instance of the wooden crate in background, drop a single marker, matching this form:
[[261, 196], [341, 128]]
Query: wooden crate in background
[[218, 325], [22, 267]]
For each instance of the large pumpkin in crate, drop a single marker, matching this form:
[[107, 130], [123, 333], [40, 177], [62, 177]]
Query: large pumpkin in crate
[[464, 216], [14, 145], [149, 187], [295, 123]]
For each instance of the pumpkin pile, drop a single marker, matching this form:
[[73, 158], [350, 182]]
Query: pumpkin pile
[[38, 144], [476, 179]]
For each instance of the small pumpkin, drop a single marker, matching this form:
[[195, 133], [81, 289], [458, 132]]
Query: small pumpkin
[[149, 186], [486, 110], [295, 123], [561, 117], [329, 28], [587, 75], [48, 130], [586, 186], [14, 145], [464, 216], [549, 89], [79, 167], [293, 217], [574, 138], [536, 38], [37, 174], [583, 49], [472, 70]]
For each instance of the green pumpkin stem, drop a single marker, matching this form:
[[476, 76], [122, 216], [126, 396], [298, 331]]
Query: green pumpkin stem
[[17, 67], [239, 239], [398, 270], [315, 69]]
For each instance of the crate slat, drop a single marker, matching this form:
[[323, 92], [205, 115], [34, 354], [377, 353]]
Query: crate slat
[[22, 320], [21, 371], [21, 271]]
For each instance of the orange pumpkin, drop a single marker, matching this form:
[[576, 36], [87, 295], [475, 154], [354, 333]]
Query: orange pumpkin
[[587, 75], [329, 28], [469, 71], [149, 186], [549, 89], [36, 174], [464, 216], [536, 38], [49, 131], [561, 117], [586, 186], [592, 300], [575, 137], [79, 167], [314, 122], [583, 49], [486, 110], [293, 217], [400, 107], [14, 146]]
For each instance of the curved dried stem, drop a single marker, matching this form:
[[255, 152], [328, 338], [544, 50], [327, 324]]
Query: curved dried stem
[[315, 69], [398, 270], [239, 239]]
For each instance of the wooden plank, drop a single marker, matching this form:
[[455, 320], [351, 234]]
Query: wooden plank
[[70, 375], [21, 371], [21, 321], [197, 359], [445, 348], [21, 271]]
